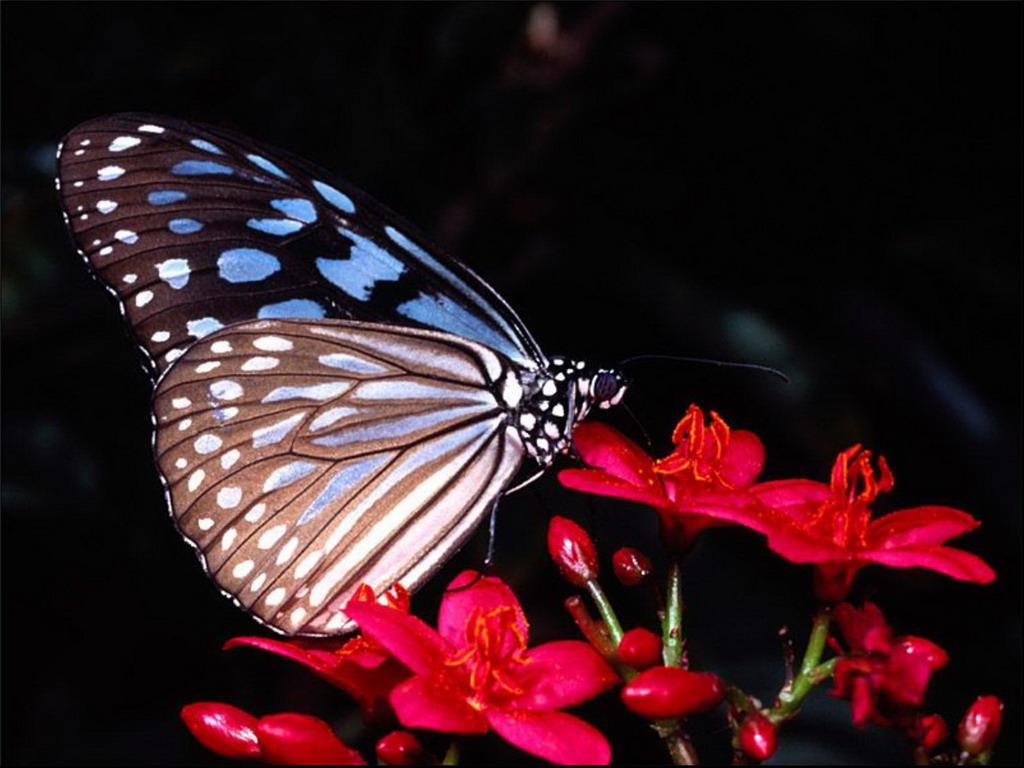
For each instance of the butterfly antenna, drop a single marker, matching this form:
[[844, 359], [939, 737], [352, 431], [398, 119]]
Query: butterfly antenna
[[647, 437], [707, 361]]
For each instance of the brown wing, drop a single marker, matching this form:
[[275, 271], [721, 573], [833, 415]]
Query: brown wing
[[303, 458]]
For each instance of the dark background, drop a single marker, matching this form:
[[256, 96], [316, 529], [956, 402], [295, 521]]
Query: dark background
[[833, 190]]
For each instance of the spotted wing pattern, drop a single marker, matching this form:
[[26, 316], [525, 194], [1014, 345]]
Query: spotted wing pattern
[[302, 458], [194, 228]]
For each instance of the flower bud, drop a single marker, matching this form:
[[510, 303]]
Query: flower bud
[[930, 731], [290, 738], [756, 737], [572, 550], [663, 692], [224, 729], [980, 727], [640, 648], [631, 566], [400, 748]]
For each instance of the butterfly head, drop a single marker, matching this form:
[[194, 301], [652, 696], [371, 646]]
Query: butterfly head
[[604, 389]]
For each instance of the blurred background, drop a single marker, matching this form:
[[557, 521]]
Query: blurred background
[[830, 189]]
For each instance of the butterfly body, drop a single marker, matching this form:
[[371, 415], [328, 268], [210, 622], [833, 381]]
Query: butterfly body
[[336, 403]]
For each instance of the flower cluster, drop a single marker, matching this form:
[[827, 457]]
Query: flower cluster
[[709, 479], [474, 671]]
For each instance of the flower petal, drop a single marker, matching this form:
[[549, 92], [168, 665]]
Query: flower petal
[[600, 483], [606, 448], [555, 736], [919, 526], [436, 704], [743, 460], [290, 738], [795, 498], [356, 666], [471, 595], [563, 674], [411, 641], [222, 728], [955, 563]]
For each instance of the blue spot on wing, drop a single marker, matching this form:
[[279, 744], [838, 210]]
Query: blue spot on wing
[[207, 146], [338, 199], [445, 314], [291, 308], [201, 168], [165, 197], [344, 482], [296, 208], [267, 166], [406, 243], [367, 264], [278, 227], [184, 226], [246, 265]]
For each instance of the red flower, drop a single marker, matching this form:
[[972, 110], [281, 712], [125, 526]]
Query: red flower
[[832, 527], [476, 672], [710, 466], [283, 739], [359, 666], [664, 692], [883, 677]]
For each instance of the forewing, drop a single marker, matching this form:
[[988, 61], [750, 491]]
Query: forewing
[[195, 228], [302, 459]]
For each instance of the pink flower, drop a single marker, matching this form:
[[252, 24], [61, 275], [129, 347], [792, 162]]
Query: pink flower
[[883, 677], [710, 466], [283, 739], [358, 666], [476, 672], [832, 526]]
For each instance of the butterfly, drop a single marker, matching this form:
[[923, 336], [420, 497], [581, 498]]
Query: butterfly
[[336, 401]]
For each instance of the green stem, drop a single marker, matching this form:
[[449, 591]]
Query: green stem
[[604, 607], [812, 672], [672, 627], [451, 757], [679, 746]]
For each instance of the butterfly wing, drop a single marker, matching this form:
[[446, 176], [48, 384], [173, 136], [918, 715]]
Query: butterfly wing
[[195, 228], [304, 458]]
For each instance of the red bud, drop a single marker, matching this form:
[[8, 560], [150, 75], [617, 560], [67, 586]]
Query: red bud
[[631, 566], [756, 736], [572, 550], [290, 738], [980, 727], [400, 748], [930, 732], [640, 648], [222, 728], [663, 692]]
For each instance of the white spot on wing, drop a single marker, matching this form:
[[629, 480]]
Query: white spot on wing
[[121, 143], [272, 344], [195, 479], [227, 461], [271, 536], [260, 363]]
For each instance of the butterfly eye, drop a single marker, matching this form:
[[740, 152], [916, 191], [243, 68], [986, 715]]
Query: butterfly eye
[[607, 388]]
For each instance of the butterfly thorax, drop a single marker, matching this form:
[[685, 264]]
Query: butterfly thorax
[[558, 397]]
